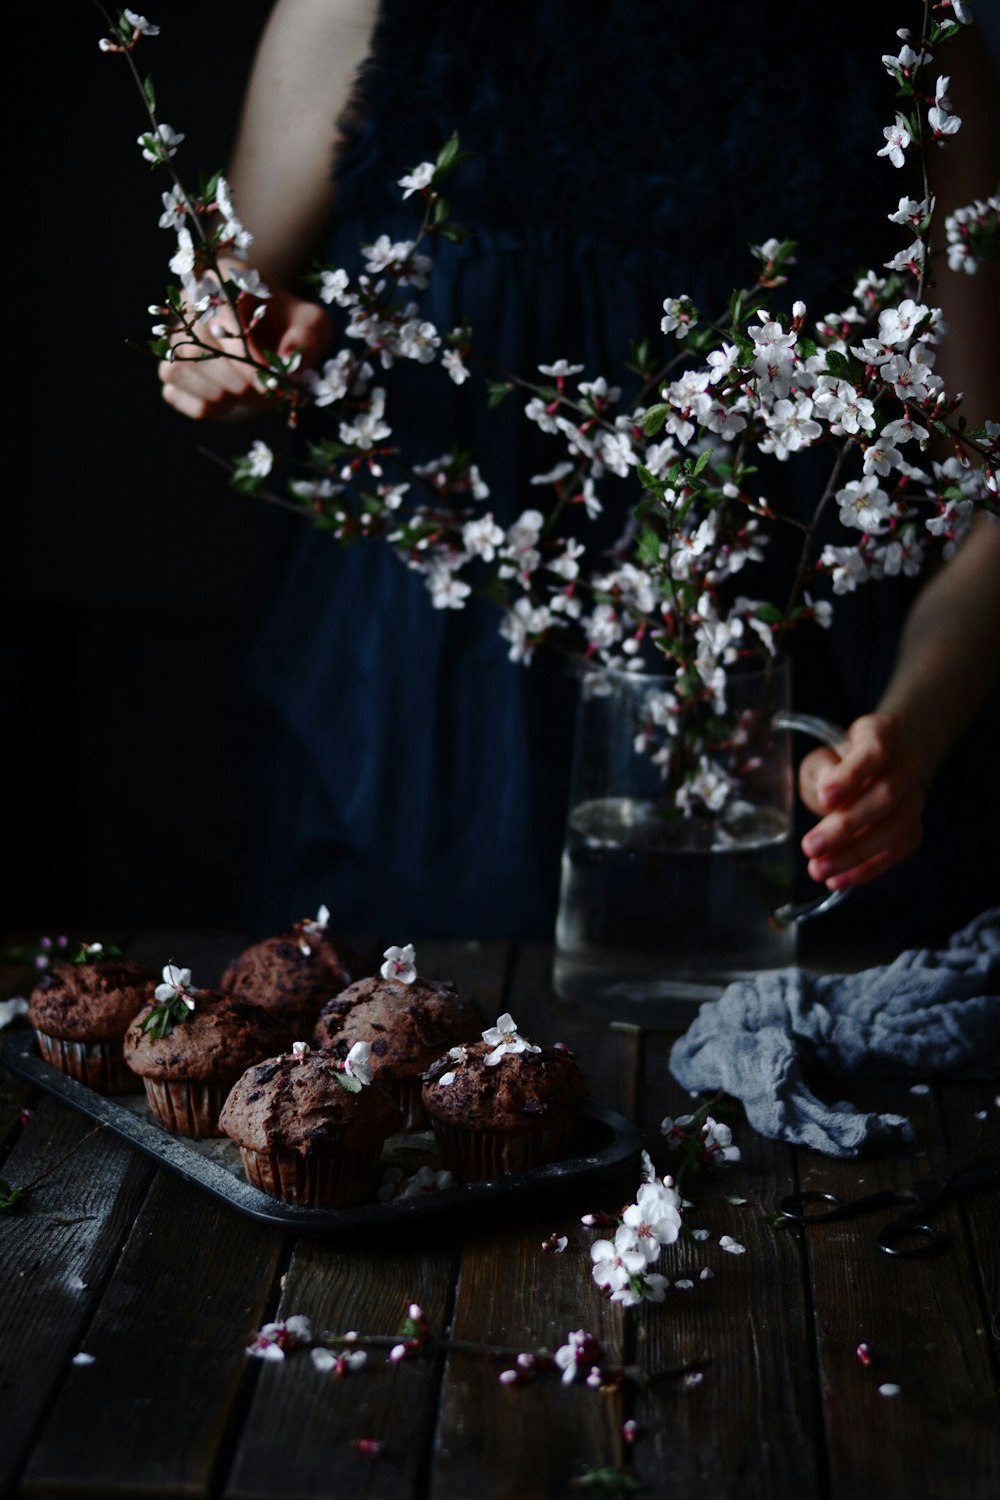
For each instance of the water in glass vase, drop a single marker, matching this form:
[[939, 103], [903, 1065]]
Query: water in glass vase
[[660, 907]]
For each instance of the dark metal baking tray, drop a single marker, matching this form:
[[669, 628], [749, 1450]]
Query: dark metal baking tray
[[606, 1142]]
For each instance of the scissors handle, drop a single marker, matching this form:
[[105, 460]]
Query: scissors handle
[[908, 1239], [799, 1206]]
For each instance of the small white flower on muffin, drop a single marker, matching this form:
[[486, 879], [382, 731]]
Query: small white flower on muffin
[[173, 1000], [312, 929], [503, 1038], [176, 986], [455, 1055], [400, 963], [300, 1051], [357, 1063]]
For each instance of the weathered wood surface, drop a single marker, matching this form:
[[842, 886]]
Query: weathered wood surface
[[56, 1254], [175, 1283]]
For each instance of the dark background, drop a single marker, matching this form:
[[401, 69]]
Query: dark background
[[132, 575], [129, 568]]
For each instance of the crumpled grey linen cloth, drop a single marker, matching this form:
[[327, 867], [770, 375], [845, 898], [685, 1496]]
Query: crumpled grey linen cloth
[[928, 1014]]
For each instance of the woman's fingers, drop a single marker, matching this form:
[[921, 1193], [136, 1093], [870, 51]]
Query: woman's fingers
[[866, 750], [877, 845], [872, 796]]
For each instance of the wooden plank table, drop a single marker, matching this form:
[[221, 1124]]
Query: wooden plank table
[[164, 1286]]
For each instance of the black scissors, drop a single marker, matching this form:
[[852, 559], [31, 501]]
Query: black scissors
[[910, 1236]]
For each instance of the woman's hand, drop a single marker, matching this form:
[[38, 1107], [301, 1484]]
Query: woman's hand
[[227, 387], [871, 798]]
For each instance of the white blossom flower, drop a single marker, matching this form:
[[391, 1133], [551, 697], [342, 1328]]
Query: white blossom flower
[[457, 370], [579, 1350], [159, 144], [312, 929], [446, 590], [421, 177], [679, 313], [368, 427], [260, 460], [616, 1262], [175, 208], [654, 1218], [864, 505], [561, 370], [482, 537], [333, 287], [182, 263], [897, 138], [941, 122], [176, 986], [791, 427], [357, 1063], [274, 1338], [733, 1246], [343, 1362], [400, 963], [503, 1038]]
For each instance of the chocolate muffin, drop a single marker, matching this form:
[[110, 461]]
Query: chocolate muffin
[[81, 1011], [292, 975], [303, 1137], [188, 1071], [503, 1104], [407, 1027]]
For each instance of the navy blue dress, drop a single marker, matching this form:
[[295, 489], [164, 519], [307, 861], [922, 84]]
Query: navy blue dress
[[410, 776]]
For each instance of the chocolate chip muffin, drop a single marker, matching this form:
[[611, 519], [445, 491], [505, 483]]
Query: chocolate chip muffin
[[303, 1137], [407, 1027], [292, 975], [503, 1104], [81, 1011], [188, 1070]]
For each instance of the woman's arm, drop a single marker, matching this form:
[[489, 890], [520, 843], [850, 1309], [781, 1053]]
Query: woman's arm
[[871, 796], [281, 176]]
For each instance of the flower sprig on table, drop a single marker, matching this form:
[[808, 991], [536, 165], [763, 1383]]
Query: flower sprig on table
[[735, 385], [701, 1140], [581, 1357]]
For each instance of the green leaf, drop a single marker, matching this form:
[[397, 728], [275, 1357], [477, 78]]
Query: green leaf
[[9, 1196], [704, 459], [655, 418], [453, 233], [349, 1082], [650, 482], [607, 1481], [498, 390], [149, 92], [838, 363], [770, 614], [647, 548], [806, 347], [442, 209], [450, 156]]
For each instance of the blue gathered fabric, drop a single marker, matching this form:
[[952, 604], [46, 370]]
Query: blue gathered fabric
[[407, 774]]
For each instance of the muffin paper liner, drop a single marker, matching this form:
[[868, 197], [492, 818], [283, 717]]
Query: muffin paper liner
[[481, 1155], [336, 1181], [407, 1094], [190, 1108], [99, 1065]]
